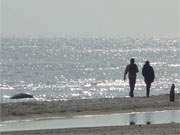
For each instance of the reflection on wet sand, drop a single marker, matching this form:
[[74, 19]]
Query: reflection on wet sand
[[80, 121], [132, 119]]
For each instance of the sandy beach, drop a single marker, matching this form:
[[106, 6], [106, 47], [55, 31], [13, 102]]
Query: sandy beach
[[156, 129], [36, 109], [23, 110]]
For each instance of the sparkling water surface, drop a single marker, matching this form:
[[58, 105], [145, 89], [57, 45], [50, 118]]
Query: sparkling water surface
[[73, 68]]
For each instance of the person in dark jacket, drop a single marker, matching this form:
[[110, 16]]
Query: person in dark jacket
[[148, 73], [131, 69], [172, 93]]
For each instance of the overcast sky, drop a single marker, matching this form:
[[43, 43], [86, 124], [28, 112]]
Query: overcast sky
[[89, 16]]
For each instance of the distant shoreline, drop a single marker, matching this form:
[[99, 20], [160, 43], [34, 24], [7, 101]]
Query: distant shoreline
[[17, 110]]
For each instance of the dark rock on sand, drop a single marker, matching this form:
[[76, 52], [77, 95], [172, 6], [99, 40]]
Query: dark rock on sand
[[21, 95]]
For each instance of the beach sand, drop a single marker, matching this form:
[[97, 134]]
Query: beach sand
[[31, 109], [156, 129], [36, 109]]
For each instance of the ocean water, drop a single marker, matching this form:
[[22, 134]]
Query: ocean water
[[73, 67]]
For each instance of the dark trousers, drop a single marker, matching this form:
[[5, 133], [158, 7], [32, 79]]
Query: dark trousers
[[148, 86], [132, 82]]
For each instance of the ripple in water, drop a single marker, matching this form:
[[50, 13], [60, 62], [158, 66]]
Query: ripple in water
[[73, 68]]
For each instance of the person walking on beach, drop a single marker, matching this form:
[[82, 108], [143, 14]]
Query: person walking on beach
[[148, 73], [131, 69]]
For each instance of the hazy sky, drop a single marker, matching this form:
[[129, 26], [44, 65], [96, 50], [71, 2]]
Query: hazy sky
[[89, 16]]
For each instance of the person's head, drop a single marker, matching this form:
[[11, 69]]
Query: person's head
[[132, 60], [147, 62], [173, 86]]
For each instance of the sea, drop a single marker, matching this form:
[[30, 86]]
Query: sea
[[63, 68]]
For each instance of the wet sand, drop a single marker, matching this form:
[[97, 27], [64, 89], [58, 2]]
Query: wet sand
[[36, 109], [156, 129], [31, 109]]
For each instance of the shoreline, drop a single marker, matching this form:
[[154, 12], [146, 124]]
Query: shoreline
[[155, 129], [30, 109]]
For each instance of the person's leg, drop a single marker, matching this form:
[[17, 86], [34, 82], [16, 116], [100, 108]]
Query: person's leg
[[132, 86], [148, 86]]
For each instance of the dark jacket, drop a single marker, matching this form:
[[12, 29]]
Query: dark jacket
[[131, 69], [148, 73]]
